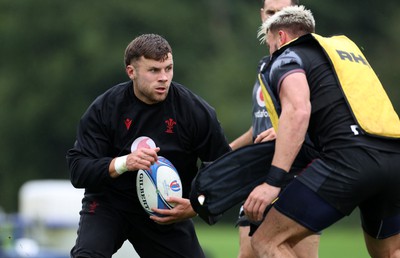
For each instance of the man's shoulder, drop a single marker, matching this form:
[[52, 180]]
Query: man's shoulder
[[263, 63], [185, 98], [112, 97], [264, 59], [116, 91], [182, 92]]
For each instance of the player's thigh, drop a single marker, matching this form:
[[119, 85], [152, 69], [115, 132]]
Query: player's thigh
[[380, 213], [306, 207], [99, 234], [388, 247], [173, 240], [278, 230]]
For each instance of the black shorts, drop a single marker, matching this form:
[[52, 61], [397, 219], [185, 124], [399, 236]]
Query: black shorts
[[103, 230], [331, 188]]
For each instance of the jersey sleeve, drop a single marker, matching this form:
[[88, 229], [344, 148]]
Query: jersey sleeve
[[287, 63], [89, 158], [210, 140]]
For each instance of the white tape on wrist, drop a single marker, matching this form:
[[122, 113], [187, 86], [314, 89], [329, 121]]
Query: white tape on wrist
[[120, 164]]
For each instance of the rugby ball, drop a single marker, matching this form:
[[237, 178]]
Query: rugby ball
[[155, 185]]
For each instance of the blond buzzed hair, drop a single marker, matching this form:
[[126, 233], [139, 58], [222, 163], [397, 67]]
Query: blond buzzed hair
[[297, 19]]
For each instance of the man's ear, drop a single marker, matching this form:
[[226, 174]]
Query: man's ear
[[282, 37], [130, 71]]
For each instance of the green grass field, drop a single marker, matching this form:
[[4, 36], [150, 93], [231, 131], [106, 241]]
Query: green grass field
[[339, 241]]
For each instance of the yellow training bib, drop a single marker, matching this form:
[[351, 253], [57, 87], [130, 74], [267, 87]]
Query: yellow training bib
[[364, 93]]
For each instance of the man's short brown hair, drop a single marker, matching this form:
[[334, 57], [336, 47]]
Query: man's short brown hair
[[150, 46]]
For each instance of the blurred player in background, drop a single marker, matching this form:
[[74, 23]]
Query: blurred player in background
[[106, 157], [260, 131]]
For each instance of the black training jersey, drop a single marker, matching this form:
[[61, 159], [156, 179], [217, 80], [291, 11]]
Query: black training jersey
[[184, 126], [331, 124]]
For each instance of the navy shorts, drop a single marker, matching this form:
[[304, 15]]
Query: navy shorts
[[331, 188], [103, 230]]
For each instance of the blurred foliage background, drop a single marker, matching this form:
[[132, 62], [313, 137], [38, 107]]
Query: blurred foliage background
[[57, 56]]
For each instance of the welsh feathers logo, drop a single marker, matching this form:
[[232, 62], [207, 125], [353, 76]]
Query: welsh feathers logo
[[170, 125]]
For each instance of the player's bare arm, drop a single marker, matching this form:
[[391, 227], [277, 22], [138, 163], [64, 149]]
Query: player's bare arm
[[245, 139], [293, 124]]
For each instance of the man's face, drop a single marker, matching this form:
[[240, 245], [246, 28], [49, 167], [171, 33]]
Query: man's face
[[151, 78], [273, 6]]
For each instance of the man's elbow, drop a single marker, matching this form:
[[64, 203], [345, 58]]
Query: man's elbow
[[302, 117]]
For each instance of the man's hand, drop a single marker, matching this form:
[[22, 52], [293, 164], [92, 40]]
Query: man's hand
[[258, 200], [141, 158], [267, 135], [182, 211]]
